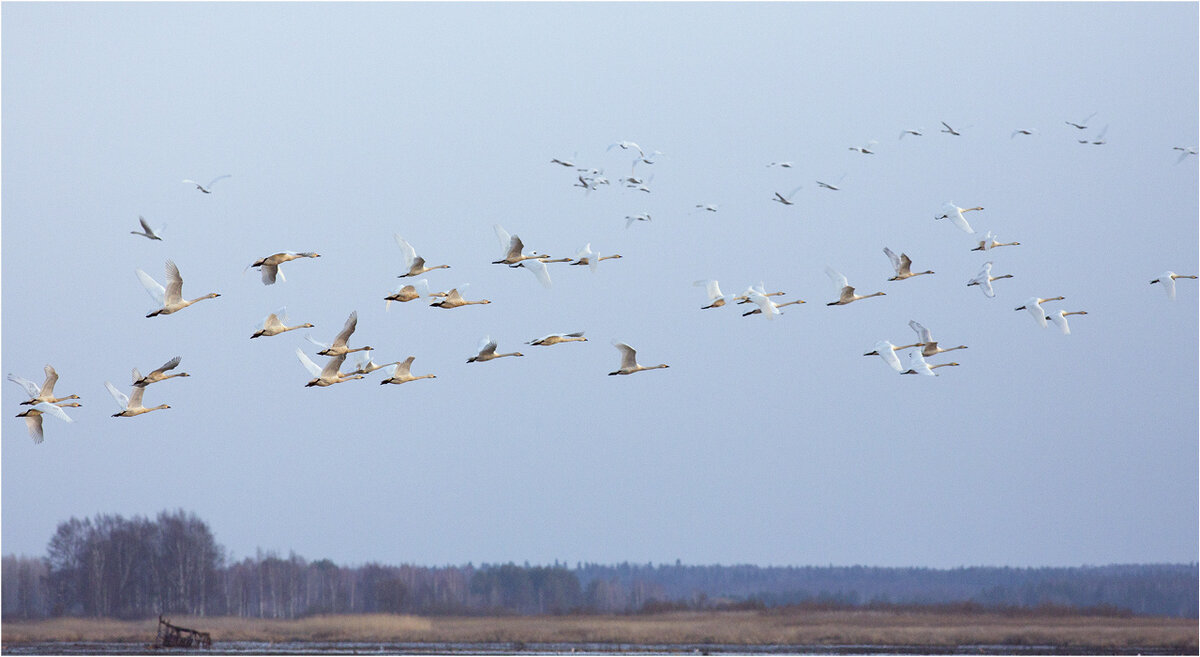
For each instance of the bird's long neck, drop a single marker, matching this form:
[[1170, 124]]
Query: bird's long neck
[[868, 296]]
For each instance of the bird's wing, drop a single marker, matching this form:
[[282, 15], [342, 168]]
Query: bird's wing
[[540, 270], [169, 365], [923, 334], [34, 424], [712, 288], [894, 258], [957, 217], [1168, 282], [122, 399], [403, 366], [577, 334], [322, 345], [51, 409], [145, 226], [839, 281], [888, 354], [48, 384], [628, 355], [174, 289], [156, 291], [351, 323], [504, 237], [137, 375], [487, 346], [30, 387], [986, 285], [210, 183], [406, 250], [269, 272], [308, 363], [135, 396], [332, 367]]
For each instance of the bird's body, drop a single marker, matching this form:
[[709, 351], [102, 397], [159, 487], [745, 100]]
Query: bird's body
[[591, 259], [454, 300], [159, 374], [400, 373], [558, 338], [269, 266], [406, 293], [929, 346], [1167, 279], [629, 364], [327, 375], [984, 280], [846, 293], [146, 231], [131, 405], [903, 266], [414, 263], [1034, 306], [487, 351], [865, 150], [955, 214], [33, 418], [170, 297], [1021, 131], [915, 133], [339, 347], [274, 325]]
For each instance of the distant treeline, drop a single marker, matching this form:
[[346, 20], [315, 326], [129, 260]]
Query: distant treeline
[[139, 567]]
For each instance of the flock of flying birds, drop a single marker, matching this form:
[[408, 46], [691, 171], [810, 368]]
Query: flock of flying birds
[[42, 400]]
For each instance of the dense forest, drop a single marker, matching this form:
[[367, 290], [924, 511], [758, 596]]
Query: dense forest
[[139, 567]]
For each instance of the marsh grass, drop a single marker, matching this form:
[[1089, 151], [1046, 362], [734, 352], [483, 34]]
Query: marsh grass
[[755, 627]]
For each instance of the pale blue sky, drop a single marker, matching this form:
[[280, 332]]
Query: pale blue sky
[[768, 442]]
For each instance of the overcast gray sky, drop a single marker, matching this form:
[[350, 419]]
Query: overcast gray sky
[[767, 442]]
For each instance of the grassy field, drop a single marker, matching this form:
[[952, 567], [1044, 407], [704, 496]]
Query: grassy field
[[760, 627]]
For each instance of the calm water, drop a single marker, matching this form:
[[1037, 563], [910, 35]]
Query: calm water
[[349, 648]]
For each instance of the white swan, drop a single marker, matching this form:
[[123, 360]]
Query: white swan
[[414, 263], [950, 130], [629, 219], [400, 373], [1021, 131], [984, 280], [887, 351], [514, 248], [629, 363], [43, 393], [744, 297], [955, 214], [915, 133], [131, 405], [146, 231], [454, 300], [269, 266], [929, 346], [846, 292], [713, 289], [339, 348], [1167, 278], [1060, 319], [787, 200], [766, 306], [207, 189], [1082, 124], [157, 375], [558, 338], [365, 365], [274, 325], [917, 365], [865, 150], [989, 242], [406, 293], [903, 266], [591, 259], [33, 418], [170, 297], [1034, 306], [328, 375], [487, 351], [1186, 151]]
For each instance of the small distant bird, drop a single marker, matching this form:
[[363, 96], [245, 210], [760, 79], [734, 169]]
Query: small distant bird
[[984, 280], [365, 365], [339, 348], [766, 306], [955, 214], [454, 300], [629, 364], [1167, 278], [713, 289], [628, 145], [785, 165], [207, 189], [324, 376], [414, 263], [929, 346], [1060, 319], [744, 297], [170, 297], [950, 130], [131, 405], [274, 325], [865, 150], [565, 163], [1034, 306], [407, 293], [157, 375], [645, 216], [1186, 152], [1082, 124], [917, 365], [591, 259], [269, 266], [146, 231], [33, 418], [786, 200], [847, 294], [887, 351], [903, 266], [916, 133], [557, 338], [989, 242], [487, 351], [707, 207], [43, 393], [1098, 140], [513, 248], [400, 373], [1021, 131], [828, 186]]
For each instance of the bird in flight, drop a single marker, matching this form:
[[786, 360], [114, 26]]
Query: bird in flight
[[207, 189], [146, 231], [950, 130]]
